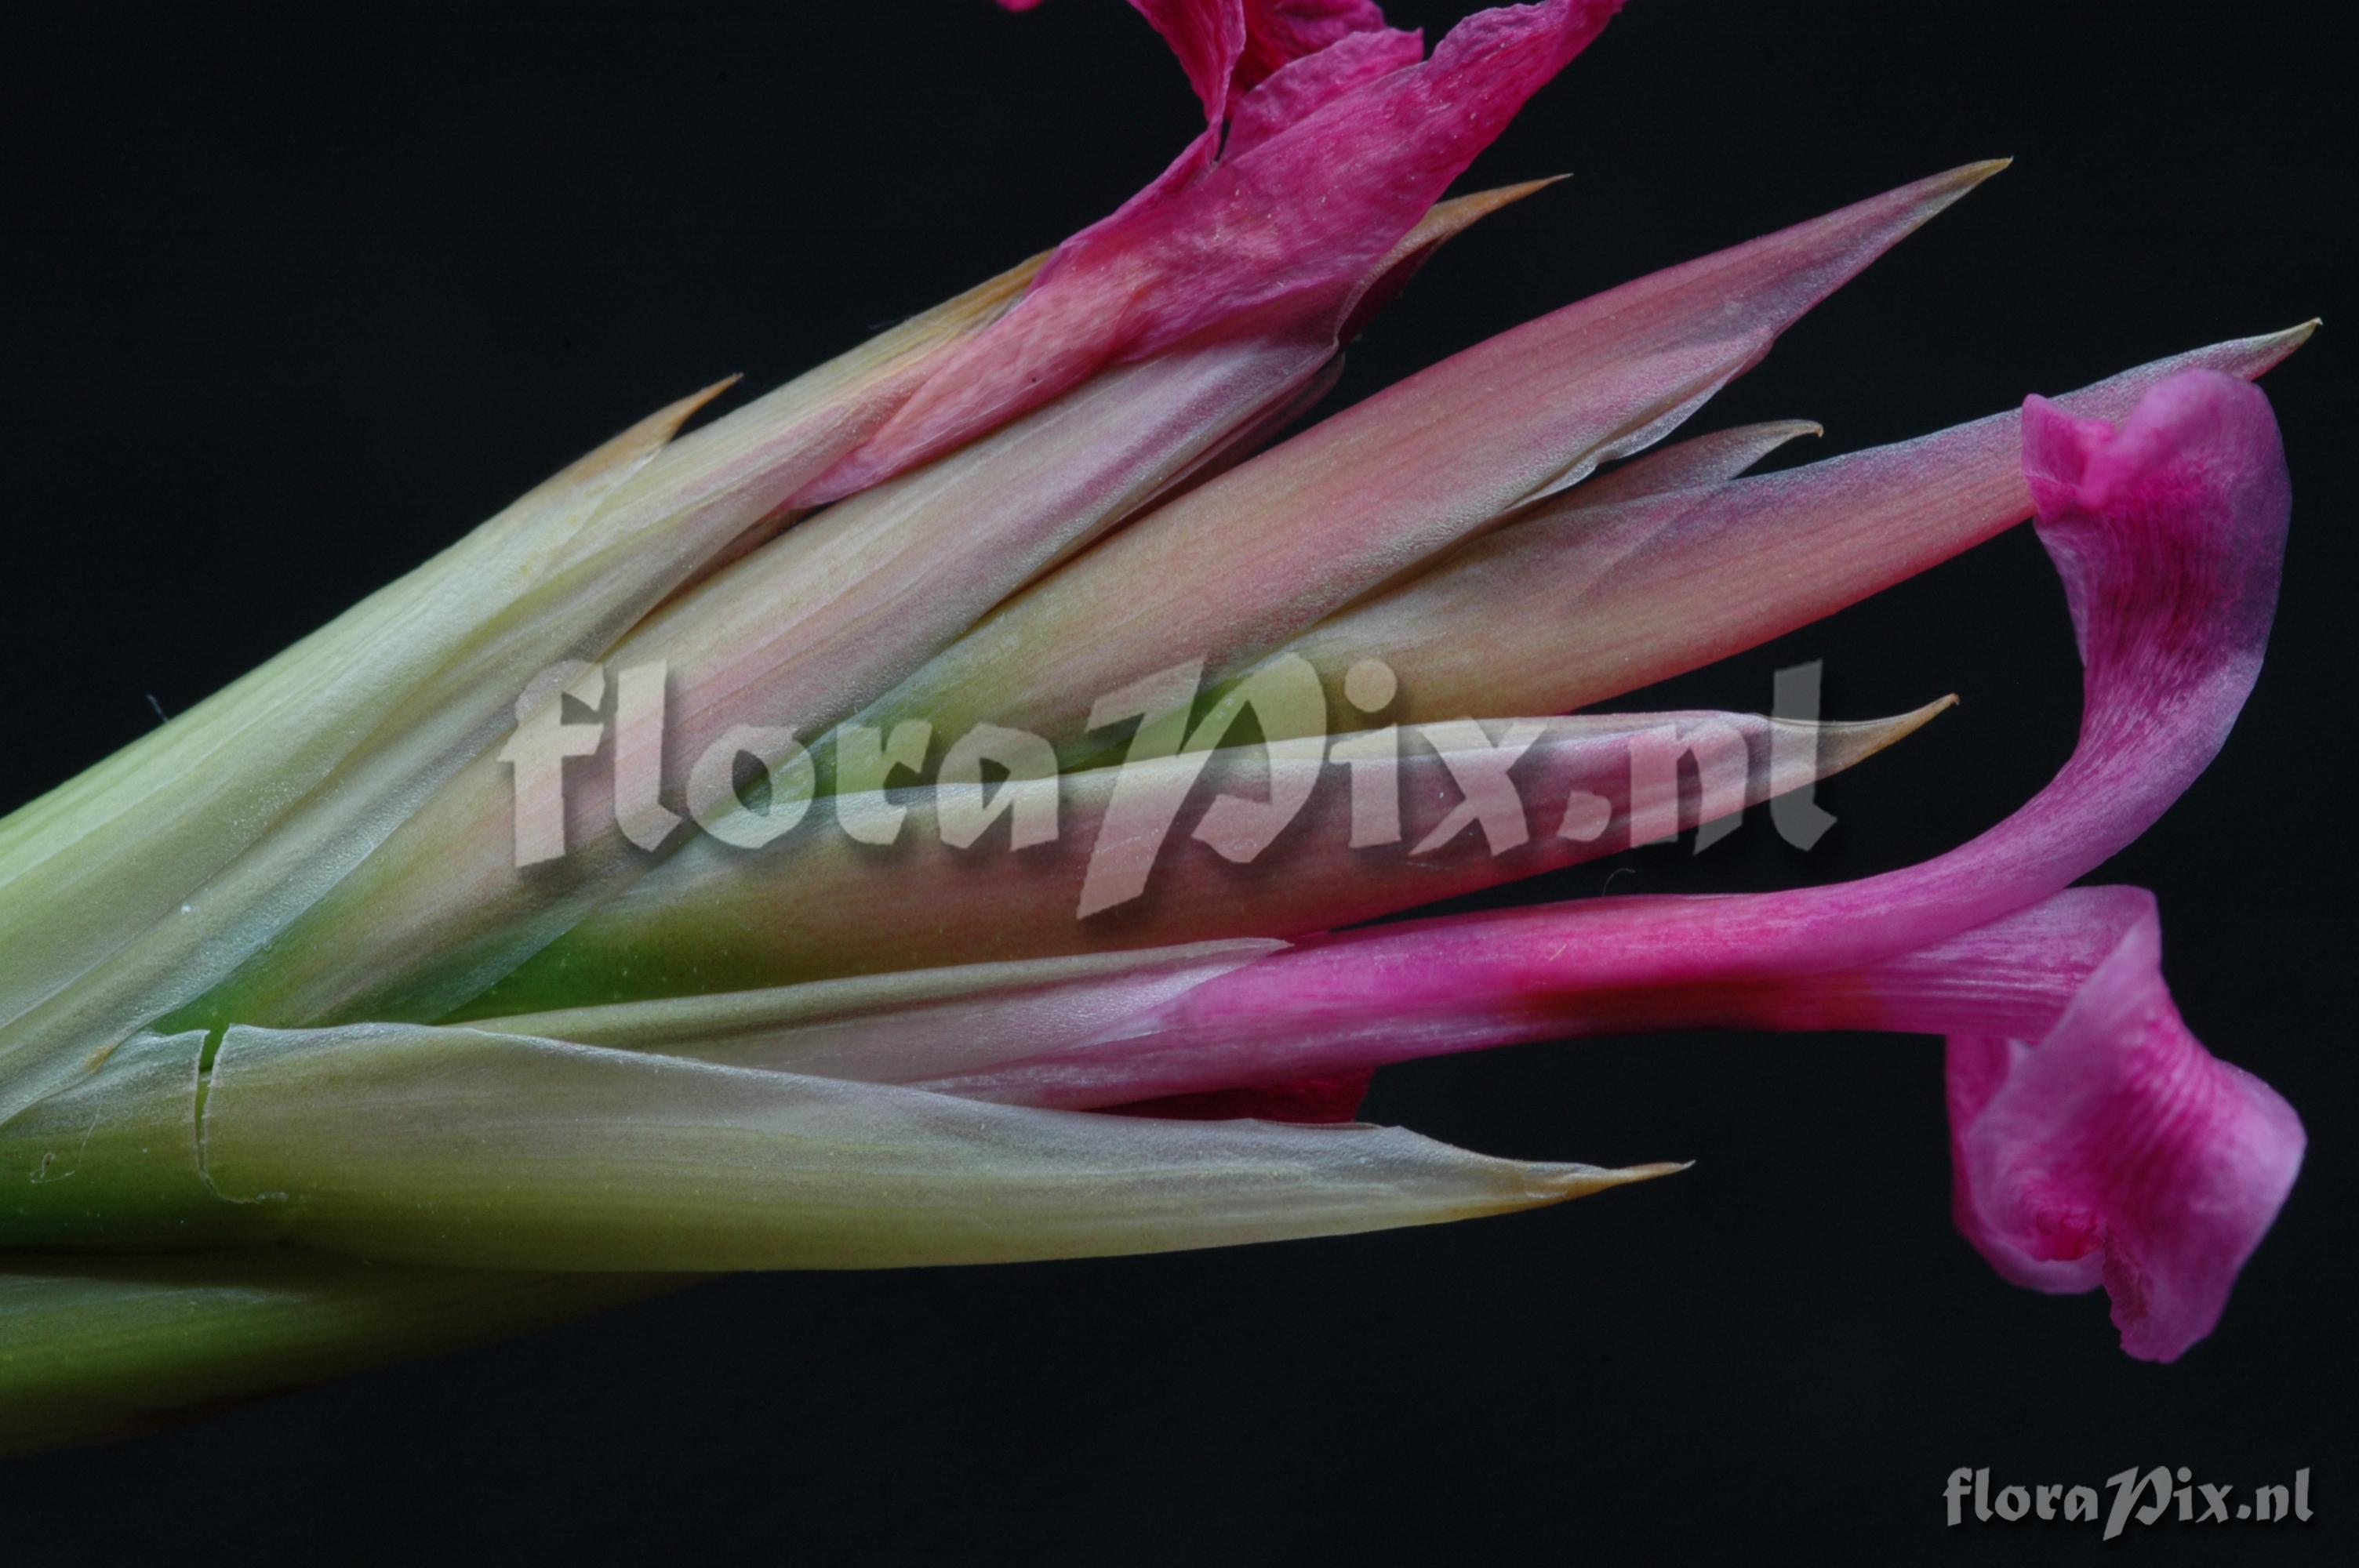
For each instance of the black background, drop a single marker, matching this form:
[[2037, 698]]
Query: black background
[[293, 295]]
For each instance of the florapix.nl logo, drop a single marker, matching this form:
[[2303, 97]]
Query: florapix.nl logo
[[2146, 1497], [1280, 750]]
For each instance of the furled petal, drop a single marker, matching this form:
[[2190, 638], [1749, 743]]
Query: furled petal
[[1366, 496], [1305, 209], [457, 1146], [2119, 1151], [1228, 48], [1130, 868], [1225, 48], [1602, 591]]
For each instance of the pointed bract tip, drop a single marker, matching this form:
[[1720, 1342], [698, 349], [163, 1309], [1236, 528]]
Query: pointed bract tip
[[1448, 218], [1937, 192], [1846, 745], [2270, 350], [1443, 222], [702, 395], [1503, 194], [1972, 174], [665, 422], [1910, 723], [1780, 431], [1561, 1183]]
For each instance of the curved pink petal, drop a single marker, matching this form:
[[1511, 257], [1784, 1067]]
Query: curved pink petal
[[2119, 1151], [1304, 208], [2116, 1150]]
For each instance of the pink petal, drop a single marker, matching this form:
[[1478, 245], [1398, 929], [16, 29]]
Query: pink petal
[[2119, 1150], [1301, 209]]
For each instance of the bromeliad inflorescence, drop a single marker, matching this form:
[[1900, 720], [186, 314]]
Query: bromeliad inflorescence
[[855, 832]]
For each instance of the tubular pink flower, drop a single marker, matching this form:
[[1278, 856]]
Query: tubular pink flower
[[2118, 1136], [2094, 1139]]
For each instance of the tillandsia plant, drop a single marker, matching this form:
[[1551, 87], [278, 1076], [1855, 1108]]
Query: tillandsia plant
[[852, 833]]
